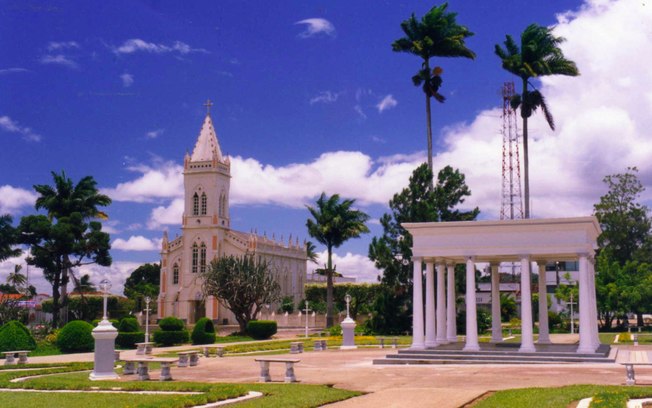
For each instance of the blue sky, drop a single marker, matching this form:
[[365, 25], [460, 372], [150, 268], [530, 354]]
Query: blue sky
[[308, 97]]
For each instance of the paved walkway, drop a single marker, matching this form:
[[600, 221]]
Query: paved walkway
[[439, 386]]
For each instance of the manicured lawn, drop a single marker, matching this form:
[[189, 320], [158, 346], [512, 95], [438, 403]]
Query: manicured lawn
[[559, 397], [276, 395]]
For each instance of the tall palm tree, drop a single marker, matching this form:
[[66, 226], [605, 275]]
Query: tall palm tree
[[436, 35], [8, 238], [539, 55], [16, 279], [334, 222]]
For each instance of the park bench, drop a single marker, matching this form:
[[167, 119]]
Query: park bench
[[219, 350], [320, 345], [383, 339], [10, 357], [188, 358], [144, 348], [636, 358], [296, 347], [143, 367], [289, 368]]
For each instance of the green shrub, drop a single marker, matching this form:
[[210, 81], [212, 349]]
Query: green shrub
[[171, 324], [204, 332], [128, 340], [128, 325], [261, 329], [76, 337], [170, 338], [14, 336], [114, 322]]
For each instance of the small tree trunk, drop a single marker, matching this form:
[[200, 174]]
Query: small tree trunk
[[329, 289], [639, 319], [429, 127], [526, 162]]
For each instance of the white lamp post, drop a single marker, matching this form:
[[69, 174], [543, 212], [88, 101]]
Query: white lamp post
[[348, 327], [104, 335], [307, 310], [347, 299], [147, 300]]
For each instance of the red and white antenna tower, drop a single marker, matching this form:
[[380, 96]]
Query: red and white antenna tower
[[512, 203]]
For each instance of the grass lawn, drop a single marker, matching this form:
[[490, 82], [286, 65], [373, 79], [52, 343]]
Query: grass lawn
[[275, 395], [560, 397]]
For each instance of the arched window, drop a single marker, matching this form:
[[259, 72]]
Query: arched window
[[222, 209], [195, 256], [203, 203], [175, 274], [195, 204], [202, 258], [219, 207]]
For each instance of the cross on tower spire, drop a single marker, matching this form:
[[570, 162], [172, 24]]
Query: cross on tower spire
[[208, 105]]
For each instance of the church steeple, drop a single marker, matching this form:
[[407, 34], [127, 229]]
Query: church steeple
[[207, 147]]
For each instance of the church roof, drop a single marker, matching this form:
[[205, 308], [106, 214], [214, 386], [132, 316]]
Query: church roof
[[206, 143]]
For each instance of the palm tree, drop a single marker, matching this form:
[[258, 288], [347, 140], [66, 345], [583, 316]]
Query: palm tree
[[334, 222], [16, 279], [310, 252], [84, 284], [8, 238], [436, 35], [539, 55], [64, 199]]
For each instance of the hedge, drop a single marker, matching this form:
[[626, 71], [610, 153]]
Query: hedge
[[15, 336], [170, 338], [171, 324], [204, 332], [76, 337], [128, 340], [261, 329], [128, 324]]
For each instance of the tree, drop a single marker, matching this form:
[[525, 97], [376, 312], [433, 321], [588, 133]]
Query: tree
[[436, 35], [392, 252], [84, 284], [16, 279], [539, 55], [310, 252], [143, 281], [624, 221], [8, 238], [69, 236], [242, 284], [334, 222]]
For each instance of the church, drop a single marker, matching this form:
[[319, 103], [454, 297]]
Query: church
[[206, 234]]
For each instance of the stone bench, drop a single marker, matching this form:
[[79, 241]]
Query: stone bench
[[320, 345], [636, 358], [10, 357], [219, 350], [296, 347], [143, 367], [144, 348], [289, 368], [383, 339], [188, 358]]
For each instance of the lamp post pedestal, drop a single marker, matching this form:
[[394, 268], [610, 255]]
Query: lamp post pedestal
[[104, 335], [348, 335]]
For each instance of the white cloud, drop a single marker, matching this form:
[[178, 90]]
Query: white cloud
[[63, 45], [14, 198], [387, 102], [325, 97], [170, 215], [134, 45], [360, 112], [136, 243], [11, 126], [58, 59], [127, 80], [349, 265], [162, 180], [316, 26], [153, 134], [7, 71]]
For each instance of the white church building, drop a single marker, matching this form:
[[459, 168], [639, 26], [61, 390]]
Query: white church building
[[207, 235]]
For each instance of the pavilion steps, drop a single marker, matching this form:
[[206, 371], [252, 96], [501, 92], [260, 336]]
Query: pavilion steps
[[497, 355]]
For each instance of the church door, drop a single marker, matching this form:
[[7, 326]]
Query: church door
[[198, 310]]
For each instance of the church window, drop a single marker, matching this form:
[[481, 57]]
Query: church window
[[222, 209], [195, 256], [195, 204], [203, 203], [202, 258], [175, 274]]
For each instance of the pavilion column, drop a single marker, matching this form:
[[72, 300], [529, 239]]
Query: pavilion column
[[496, 327], [417, 306], [586, 334], [441, 304], [594, 305], [471, 313], [544, 331], [451, 308], [527, 336], [430, 306]]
